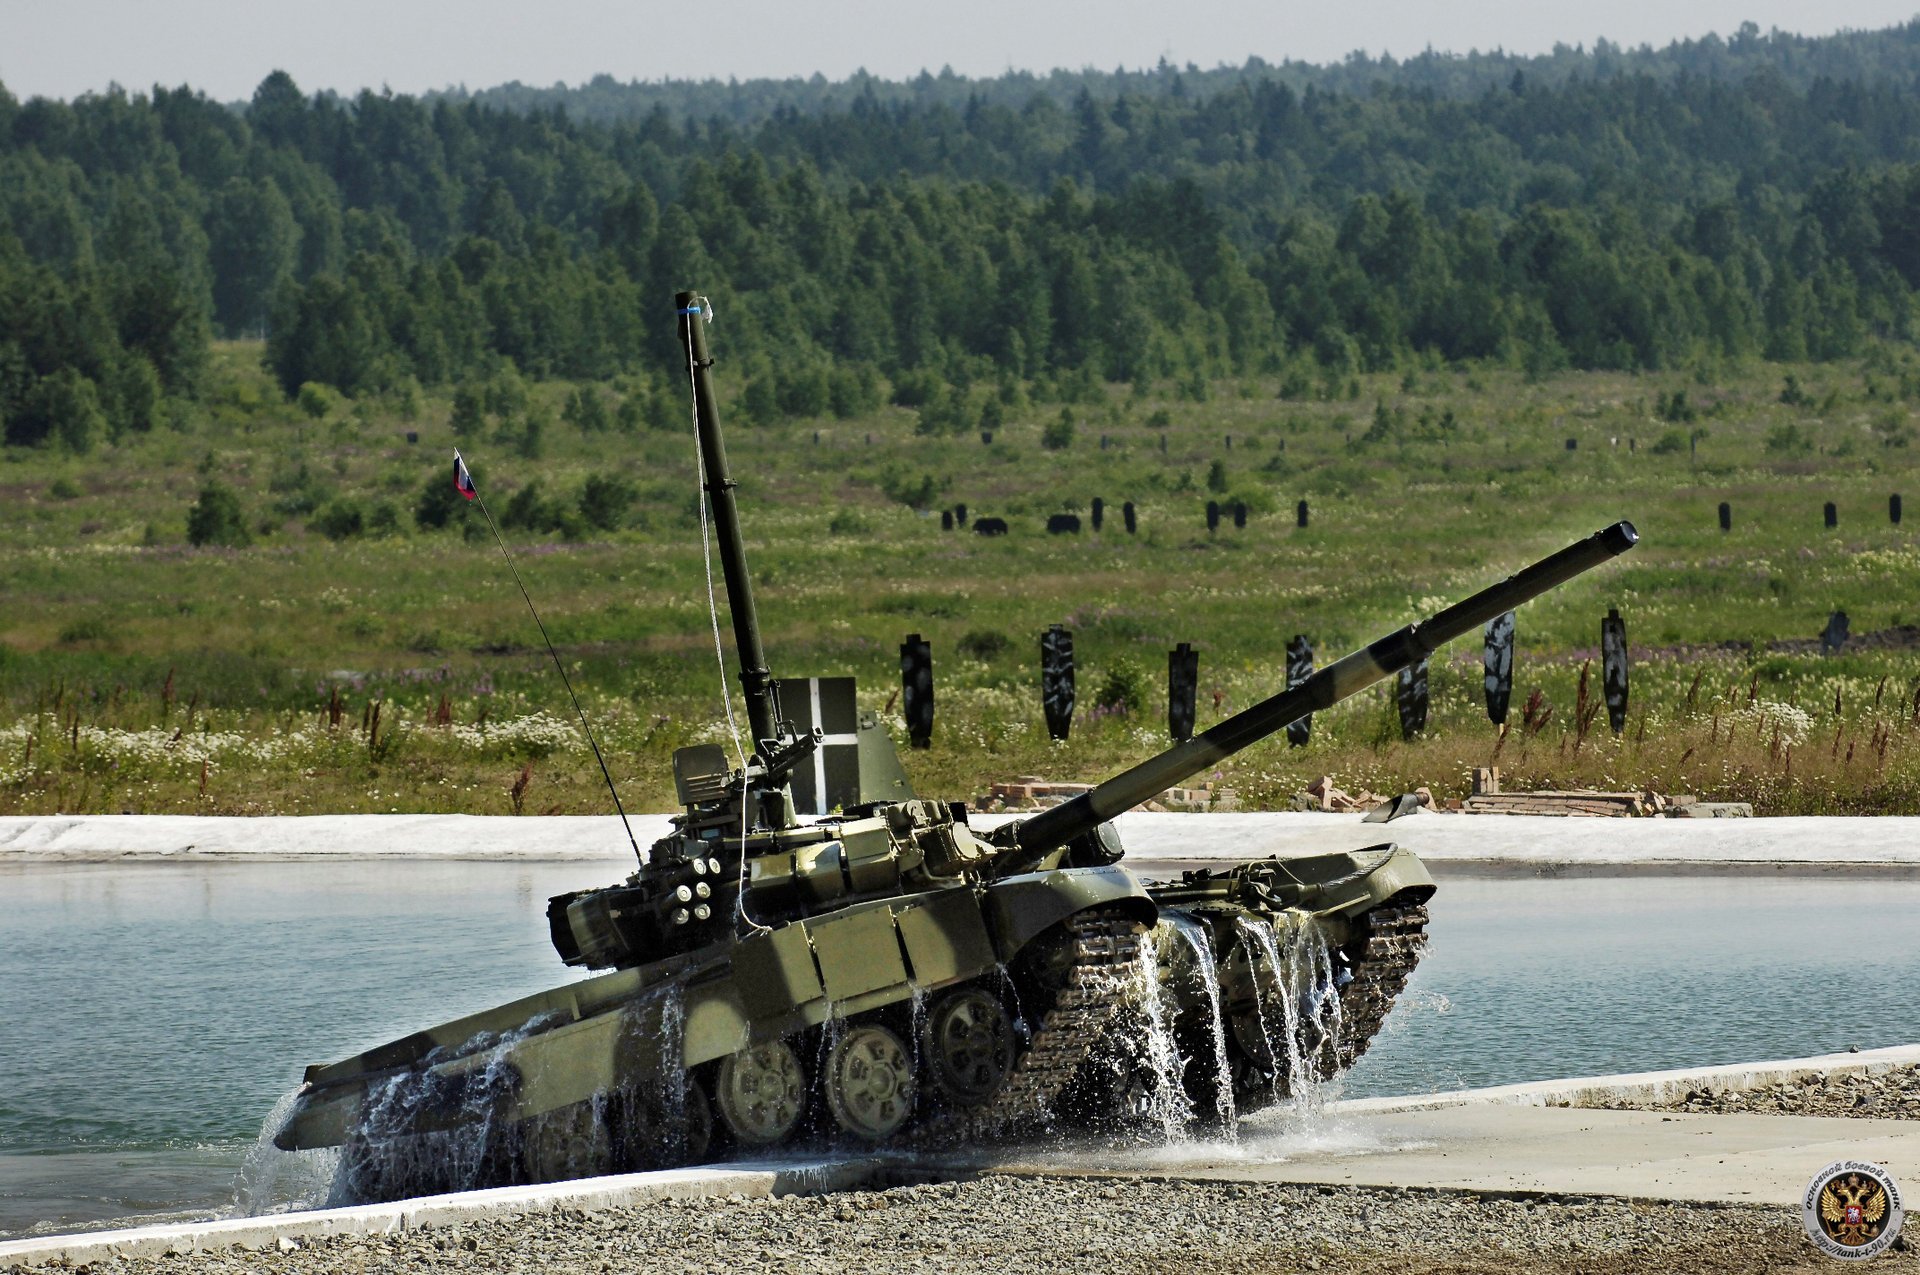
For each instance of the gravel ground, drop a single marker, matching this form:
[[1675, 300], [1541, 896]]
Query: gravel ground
[[1891, 1095], [1008, 1224], [1060, 1225]]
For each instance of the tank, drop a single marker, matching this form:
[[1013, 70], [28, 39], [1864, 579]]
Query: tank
[[901, 973]]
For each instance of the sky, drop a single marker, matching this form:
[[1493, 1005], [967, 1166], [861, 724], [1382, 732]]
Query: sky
[[63, 48]]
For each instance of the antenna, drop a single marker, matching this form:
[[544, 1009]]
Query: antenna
[[463, 483]]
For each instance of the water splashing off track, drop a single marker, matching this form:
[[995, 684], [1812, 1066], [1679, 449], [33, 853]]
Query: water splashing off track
[[273, 1181], [432, 1130], [1207, 971], [1160, 1070], [1298, 1018]]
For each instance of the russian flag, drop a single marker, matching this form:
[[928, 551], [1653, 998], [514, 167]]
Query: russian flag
[[462, 480]]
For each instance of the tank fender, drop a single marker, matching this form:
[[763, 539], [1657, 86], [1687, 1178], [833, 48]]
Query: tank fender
[[1019, 908], [1352, 882]]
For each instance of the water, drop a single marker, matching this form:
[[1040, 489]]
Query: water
[[152, 1014], [1207, 970], [1166, 1101], [1546, 978]]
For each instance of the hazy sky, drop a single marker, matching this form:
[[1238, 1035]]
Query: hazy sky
[[63, 48]]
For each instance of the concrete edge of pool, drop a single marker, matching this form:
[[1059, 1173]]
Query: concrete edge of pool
[[1535, 843], [840, 1174], [1645, 1086]]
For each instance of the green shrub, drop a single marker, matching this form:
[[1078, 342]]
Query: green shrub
[[216, 518], [853, 391], [918, 388], [804, 391], [298, 491], [1124, 691], [383, 519], [1675, 409], [340, 520], [605, 500], [469, 412], [586, 411], [916, 492], [1058, 435], [88, 628], [315, 400], [439, 504], [133, 388], [984, 644], [1788, 439], [68, 407], [530, 510]]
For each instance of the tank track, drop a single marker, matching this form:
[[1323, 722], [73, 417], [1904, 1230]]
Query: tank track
[[1107, 946], [1383, 960]]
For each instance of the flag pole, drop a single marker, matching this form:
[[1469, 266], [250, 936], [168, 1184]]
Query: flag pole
[[463, 483]]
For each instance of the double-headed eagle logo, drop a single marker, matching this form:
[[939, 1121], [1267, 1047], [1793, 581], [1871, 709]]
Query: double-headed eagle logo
[[1852, 1207]]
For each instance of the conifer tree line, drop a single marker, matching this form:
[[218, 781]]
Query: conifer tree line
[[1601, 216]]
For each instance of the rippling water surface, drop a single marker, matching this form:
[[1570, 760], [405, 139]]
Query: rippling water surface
[[152, 1013]]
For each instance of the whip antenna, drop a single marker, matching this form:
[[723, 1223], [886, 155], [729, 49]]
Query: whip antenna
[[463, 483]]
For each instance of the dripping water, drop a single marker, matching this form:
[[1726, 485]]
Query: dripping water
[[450, 1159], [1305, 992], [1165, 1103], [673, 1074], [1316, 1019], [917, 1031], [1207, 970]]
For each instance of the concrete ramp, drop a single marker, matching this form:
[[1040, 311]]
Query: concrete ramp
[[1538, 1151], [1548, 1137]]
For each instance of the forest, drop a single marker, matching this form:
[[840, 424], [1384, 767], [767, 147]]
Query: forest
[[1709, 204]]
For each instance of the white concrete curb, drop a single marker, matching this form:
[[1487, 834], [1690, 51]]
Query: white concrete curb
[[1162, 840], [1644, 1086], [756, 1180]]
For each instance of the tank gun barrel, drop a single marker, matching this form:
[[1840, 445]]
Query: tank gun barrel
[[1335, 682], [756, 680]]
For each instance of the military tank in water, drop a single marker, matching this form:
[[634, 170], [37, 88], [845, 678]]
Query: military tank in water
[[896, 973]]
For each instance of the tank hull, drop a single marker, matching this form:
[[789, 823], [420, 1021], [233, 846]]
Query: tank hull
[[620, 1071]]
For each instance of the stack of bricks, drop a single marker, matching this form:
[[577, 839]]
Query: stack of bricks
[[1030, 792], [1487, 799]]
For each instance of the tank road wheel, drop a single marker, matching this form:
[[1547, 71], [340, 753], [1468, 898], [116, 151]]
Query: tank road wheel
[[761, 1094], [574, 1142], [869, 1082], [665, 1128], [694, 1129], [967, 1042]]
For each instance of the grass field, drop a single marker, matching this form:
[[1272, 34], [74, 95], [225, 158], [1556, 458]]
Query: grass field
[[140, 674]]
